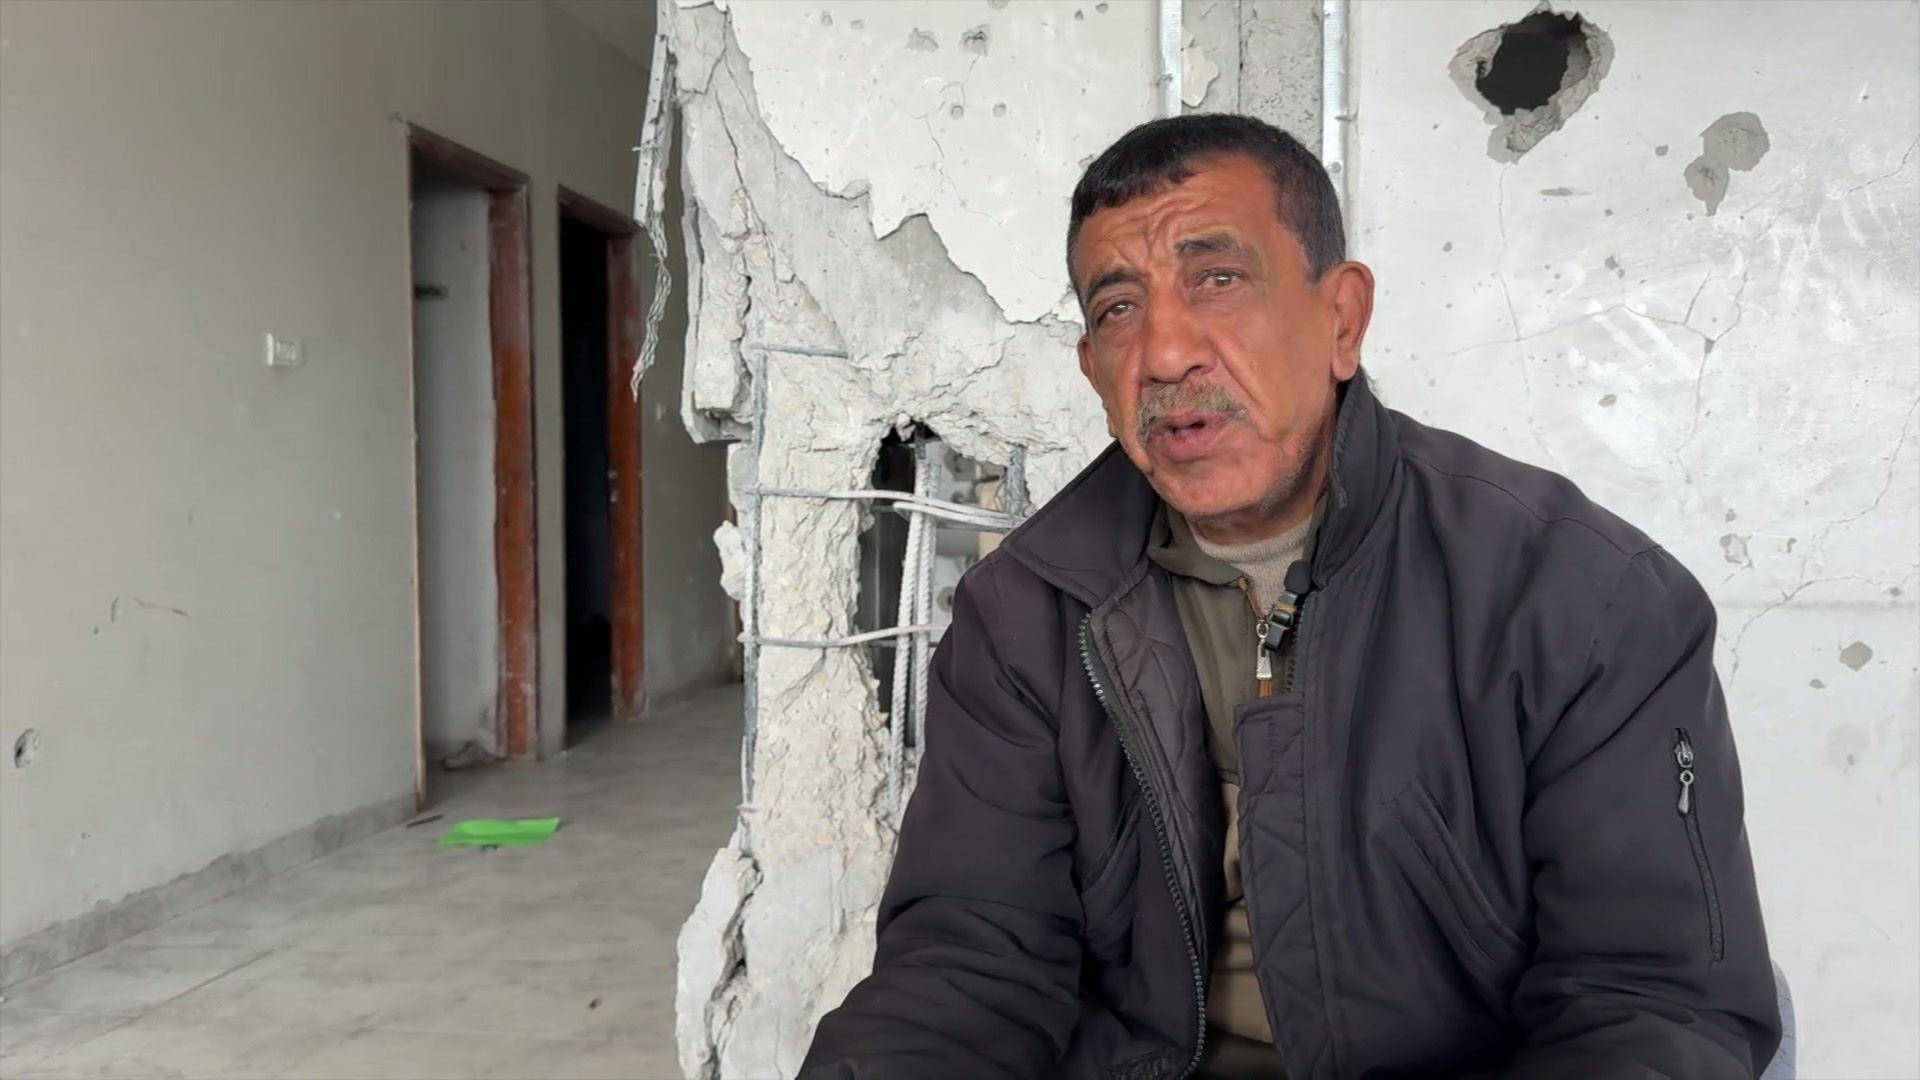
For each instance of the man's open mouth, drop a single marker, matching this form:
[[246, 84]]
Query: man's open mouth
[[1186, 436]]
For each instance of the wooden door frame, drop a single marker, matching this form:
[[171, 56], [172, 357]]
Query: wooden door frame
[[624, 327], [515, 523]]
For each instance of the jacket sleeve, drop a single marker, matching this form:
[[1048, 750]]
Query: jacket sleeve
[[1651, 959], [978, 956]]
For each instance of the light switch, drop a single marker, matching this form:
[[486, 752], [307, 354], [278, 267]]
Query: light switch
[[284, 351]]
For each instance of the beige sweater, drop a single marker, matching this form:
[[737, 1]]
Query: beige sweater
[[1222, 591]]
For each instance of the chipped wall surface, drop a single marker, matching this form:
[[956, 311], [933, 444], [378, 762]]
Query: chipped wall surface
[[959, 111], [896, 257], [1743, 386]]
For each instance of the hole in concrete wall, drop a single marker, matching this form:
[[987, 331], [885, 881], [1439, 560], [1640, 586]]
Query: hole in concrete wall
[[883, 545], [1531, 61], [1529, 76], [956, 547]]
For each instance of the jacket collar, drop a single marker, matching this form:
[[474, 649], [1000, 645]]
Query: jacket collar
[[1090, 539]]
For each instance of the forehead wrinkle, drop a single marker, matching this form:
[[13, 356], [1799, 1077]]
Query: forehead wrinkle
[[1133, 231]]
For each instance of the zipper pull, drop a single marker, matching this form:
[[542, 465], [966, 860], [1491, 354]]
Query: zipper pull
[[1262, 658], [1683, 757]]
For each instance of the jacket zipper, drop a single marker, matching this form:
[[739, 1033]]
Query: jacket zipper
[[1689, 809], [1287, 617], [1122, 726]]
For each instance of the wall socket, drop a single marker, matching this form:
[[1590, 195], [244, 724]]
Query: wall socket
[[284, 351]]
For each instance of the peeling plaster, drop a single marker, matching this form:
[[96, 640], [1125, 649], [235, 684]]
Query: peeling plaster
[[1735, 142], [1197, 73], [993, 187], [822, 322]]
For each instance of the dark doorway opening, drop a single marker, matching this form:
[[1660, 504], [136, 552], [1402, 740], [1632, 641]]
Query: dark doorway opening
[[599, 337], [589, 522]]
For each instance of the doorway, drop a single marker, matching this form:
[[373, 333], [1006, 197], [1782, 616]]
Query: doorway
[[472, 372], [600, 336]]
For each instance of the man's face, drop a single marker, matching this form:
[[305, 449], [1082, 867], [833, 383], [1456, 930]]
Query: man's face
[[1216, 357]]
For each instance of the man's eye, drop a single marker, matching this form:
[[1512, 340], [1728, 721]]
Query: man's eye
[[1222, 277], [1114, 308]]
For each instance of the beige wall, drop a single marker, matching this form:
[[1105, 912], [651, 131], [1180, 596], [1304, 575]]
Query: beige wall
[[175, 181]]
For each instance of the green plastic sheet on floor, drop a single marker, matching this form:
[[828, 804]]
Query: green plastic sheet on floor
[[492, 832]]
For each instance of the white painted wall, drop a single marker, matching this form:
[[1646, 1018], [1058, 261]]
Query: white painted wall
[[453, 408], [1560, 309], [180, 179]]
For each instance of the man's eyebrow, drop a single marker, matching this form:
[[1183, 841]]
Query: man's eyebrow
[[1116, 275], [1213, 243]]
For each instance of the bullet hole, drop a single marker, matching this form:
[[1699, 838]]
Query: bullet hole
[[977, 40], [1856, 655], [1734, 143], [1556, 192], [1000, 109], [1609, 213], [1079, 16], [920, 41], [1659, 151], [1731, 515], [826, 18], [1607, 402], [957, 111], [858, 24], [1102, 9], [1528, 77], [26, 748], [1816, 684], [1613, 264], [1448, 246]]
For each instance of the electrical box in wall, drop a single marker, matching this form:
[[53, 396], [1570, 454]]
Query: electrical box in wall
[[284, 352]]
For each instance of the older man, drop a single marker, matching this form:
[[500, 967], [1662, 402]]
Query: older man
[[1294, 737]]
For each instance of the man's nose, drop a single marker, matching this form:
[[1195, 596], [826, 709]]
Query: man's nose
[[1176, 344]]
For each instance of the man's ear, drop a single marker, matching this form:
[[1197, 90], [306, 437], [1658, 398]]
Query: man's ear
[[1350, 289]]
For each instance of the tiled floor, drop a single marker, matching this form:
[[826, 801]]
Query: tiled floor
[[394, 958]]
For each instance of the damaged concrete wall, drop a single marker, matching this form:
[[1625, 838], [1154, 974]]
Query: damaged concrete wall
[[1734, 371], [895, 258]]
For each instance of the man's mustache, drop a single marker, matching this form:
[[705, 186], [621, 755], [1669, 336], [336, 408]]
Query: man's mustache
[[1160, 401]]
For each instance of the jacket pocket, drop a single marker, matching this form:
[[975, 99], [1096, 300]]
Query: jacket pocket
[[1443, 880], [1689, 807], [1107, 892]]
